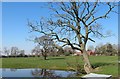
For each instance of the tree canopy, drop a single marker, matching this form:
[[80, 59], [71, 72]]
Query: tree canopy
[[46, 42]]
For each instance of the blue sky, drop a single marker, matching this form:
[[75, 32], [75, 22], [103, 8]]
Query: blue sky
[[0, 25], [15, 29]]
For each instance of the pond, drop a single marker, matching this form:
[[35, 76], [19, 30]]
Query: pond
[[36, 73]]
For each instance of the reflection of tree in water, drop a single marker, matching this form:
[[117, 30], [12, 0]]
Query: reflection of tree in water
[[43, 73], [3, 69], [13, 70]]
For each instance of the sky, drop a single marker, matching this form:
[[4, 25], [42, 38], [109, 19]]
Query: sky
[[0, 24], [15, 31], [55, 0]]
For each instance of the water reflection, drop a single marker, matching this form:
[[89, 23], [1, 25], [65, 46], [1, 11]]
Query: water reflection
[[13, 70], [44, 73], [36, 73], [5, 69], [52, 73]]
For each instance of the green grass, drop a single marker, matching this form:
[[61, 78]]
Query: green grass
[[105, 64], [0, 62]]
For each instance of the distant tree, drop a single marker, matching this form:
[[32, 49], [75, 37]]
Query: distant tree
[[109, 49], [101, 50], [53, 52], [106, 49], [6, 51], [14, 51], [0, 52], [96, 50], [46, 43], [36, 51], [68, 50], [22, 53], [60, 50], [115, 47]]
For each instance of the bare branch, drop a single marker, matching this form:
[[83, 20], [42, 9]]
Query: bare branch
[[103, 16]]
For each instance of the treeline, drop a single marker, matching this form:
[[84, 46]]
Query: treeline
[[66, 51], [13, 52], [35, 52], [107, 49]]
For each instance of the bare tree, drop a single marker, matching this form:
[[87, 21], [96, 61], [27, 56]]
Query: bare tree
[[100, 49], [46, 42], [36, 51], [73, 23], [14, 51], [0, 52], [69, 50], [22, 53], [60, 50], [6, 51]]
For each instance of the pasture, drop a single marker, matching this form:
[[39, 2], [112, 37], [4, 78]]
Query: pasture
[[102, 64]]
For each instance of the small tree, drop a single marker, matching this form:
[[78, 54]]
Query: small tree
[[36, 50], [109, 48], [0, 52], [60, 50], [6, 51], [69, 49], [46, 42], [14, 51], [53, 52], [22, 53]]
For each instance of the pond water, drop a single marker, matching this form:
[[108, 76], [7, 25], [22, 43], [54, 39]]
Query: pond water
[[36, 73]]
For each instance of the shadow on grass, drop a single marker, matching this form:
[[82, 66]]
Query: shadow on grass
[[101, 64], [56, 58]]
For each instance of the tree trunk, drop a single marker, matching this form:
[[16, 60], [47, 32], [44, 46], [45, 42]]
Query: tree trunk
[[45, 57], [87, 65]]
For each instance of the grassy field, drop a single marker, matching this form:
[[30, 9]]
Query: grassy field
[[103, 64]]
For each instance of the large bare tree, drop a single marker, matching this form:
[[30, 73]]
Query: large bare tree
[[73, 24]]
